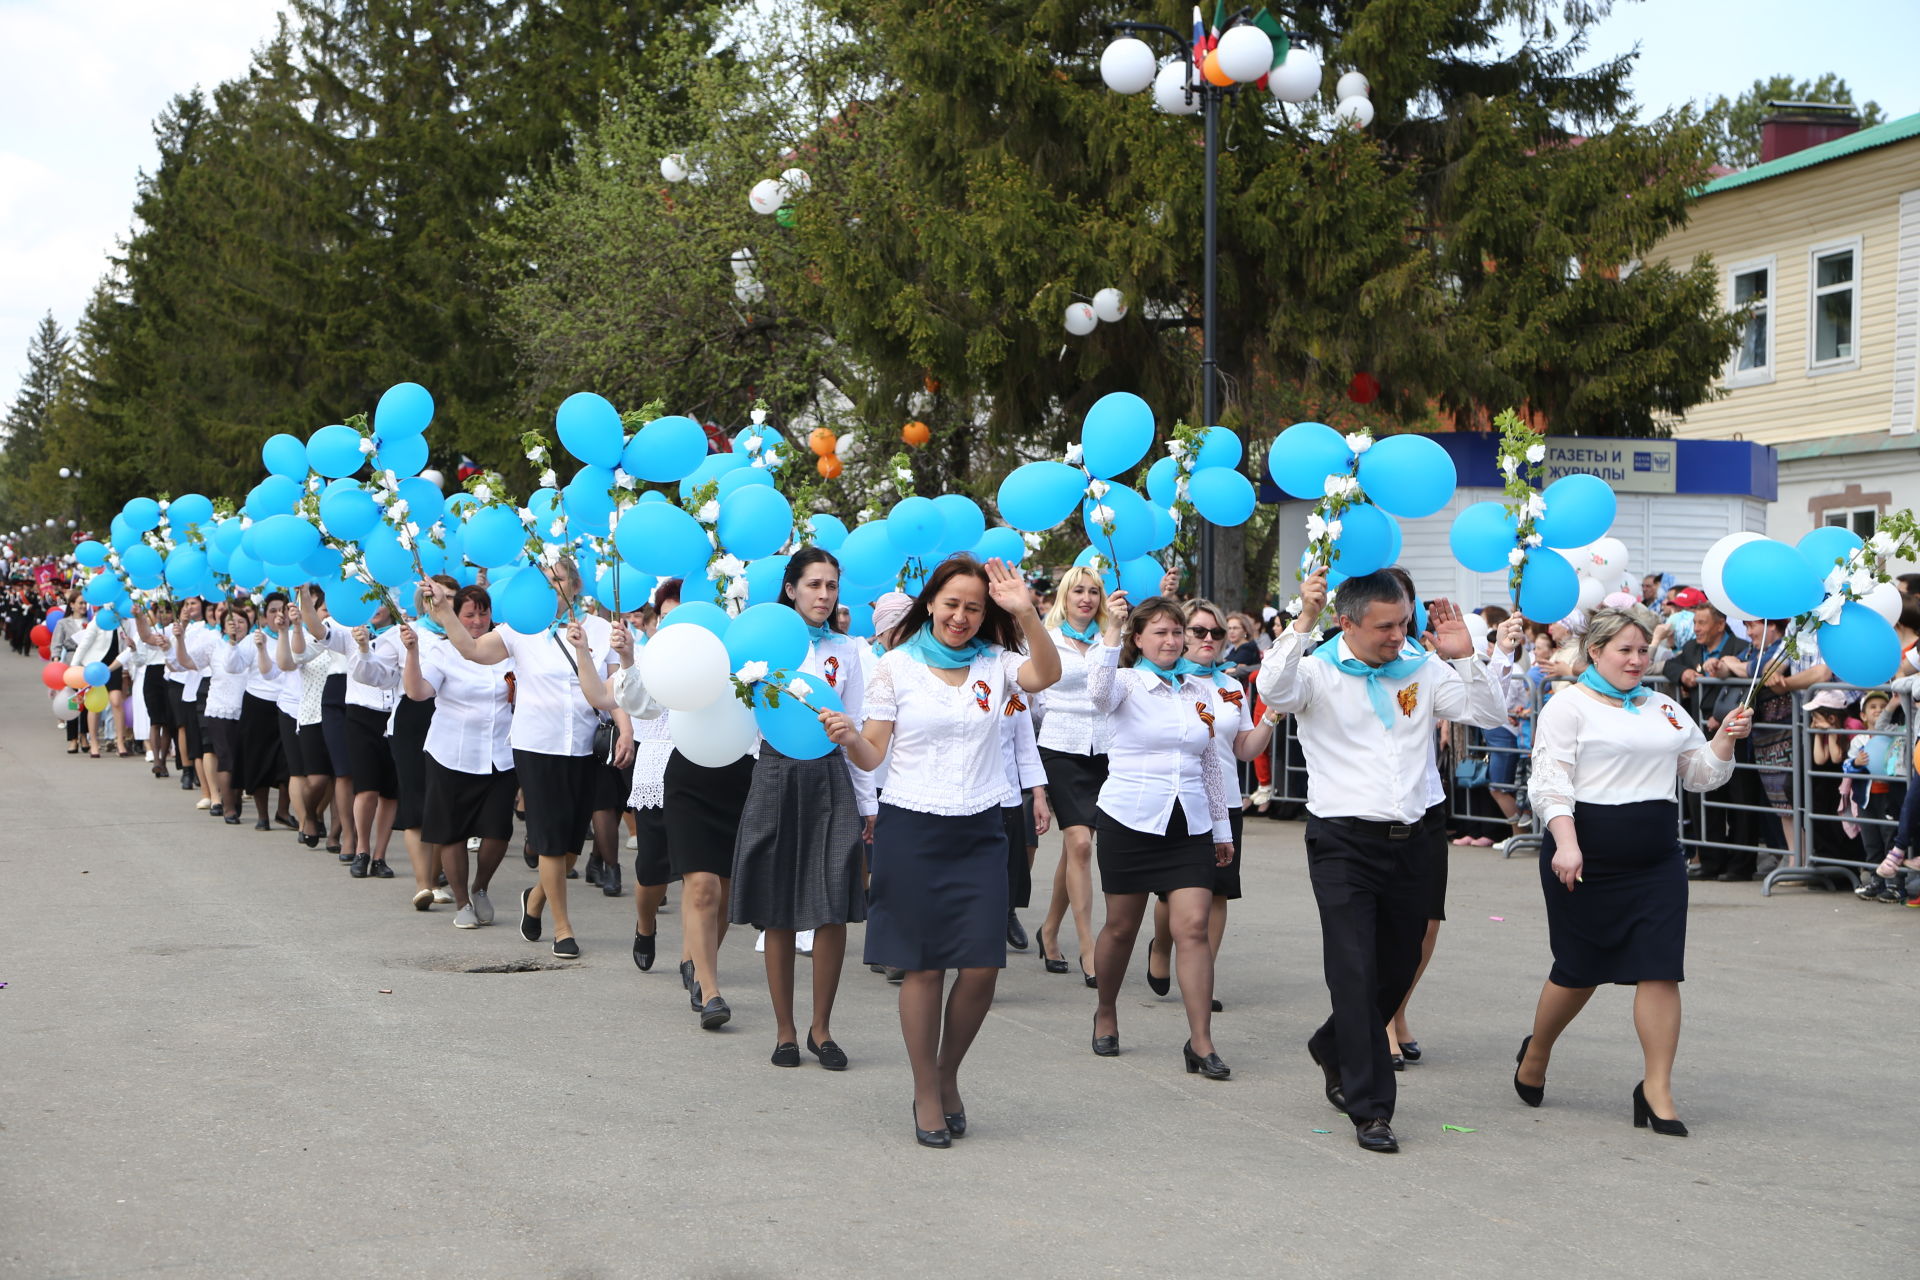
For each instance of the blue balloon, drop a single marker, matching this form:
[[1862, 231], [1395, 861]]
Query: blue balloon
[[916, 526], [1409, 476], [107, 618], [764, 577], [1304, 455], [1163, 479], [1482, 535], [1109, 578], [189, 510], [964, 521], [1221, 495], [859, 619], [1036, 497], [103, 589], [589, 428], [661, 539], [634, 588], [769, 633], [390, 564], [459, 502], [91, 553], [1549, 586], [740, 477], [405, 409], [1140, 578], [1132, 524], [218, 559], [348, 513], [142, 515], [526, 602], [1769, 579], [227, 534], [143, 565], [547, 506], [1219, 447], [121, 535], [1117, 433], [1366, 541], [754, 522], [284, 455], [790, 727], [1000, 543], [335, 451], [1862, 648], [244, 571], [323, 563], [712, 467], [828, 531], [288, 576], [653, 495], [868, 557], [97, 673], [773, 445], [425, 503], [666, 450], [699, 613], [274, 496], [588, 501], [186, 568], [1826, 547], [283, 540], [402, 455], [1164, 529], [346, 601], [1580, 508]]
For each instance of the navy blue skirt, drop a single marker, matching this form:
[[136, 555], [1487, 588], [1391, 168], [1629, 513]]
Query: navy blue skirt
[[938, 896], [1626, 921]]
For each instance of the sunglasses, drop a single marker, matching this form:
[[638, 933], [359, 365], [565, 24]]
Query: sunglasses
[[1207, 633]]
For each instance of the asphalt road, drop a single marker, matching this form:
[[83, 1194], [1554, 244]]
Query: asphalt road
[[203, 1077]]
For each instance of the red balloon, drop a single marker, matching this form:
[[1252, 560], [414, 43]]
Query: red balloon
[[45, 651], [41, 635], [54, 675], [1364, 389]]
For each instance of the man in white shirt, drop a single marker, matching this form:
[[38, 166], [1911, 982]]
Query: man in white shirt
[[1364, 714]]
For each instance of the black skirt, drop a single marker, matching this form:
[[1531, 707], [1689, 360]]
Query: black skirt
[[315, 760], [1073, 786], [290, 745], [1436, 862], [1017, 820], [1226, 880], [153, 691], [611, 786], [1142, 862], [369, 762], [703, 808], [938, 897], [333, 731], [260, 761], [1626, 920], [222, 736], [189, 718], [411, 720], [651, 865], [460, 806], [797, 860], [557, 791]]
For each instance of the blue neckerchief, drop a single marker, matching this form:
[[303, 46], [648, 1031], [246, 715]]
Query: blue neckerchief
[[211, 626], [1216, 672], [1089, 636], [935, 653], [271, 633], [820, 633], [1400, 667], [879, 650], [1170, 674], [424, 623], [377, 632], [1592, 678]]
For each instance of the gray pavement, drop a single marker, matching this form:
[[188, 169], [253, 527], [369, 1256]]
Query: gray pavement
[[203, 1078]]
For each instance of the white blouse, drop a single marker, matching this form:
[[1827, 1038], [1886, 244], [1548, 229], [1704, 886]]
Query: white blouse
[[373, 676], [1589, 751], [550, 714], [1163, 748], [266, 686], [945, 756], [1019, 751], [836, 660], [231, 663], [200, 639], [471, 712], [1232, 716], [1069, 722], [314, 663]]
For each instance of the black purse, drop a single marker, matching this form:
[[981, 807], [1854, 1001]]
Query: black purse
[[605, 736]]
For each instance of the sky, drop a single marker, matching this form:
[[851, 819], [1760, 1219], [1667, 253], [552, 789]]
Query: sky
[[82, 80]]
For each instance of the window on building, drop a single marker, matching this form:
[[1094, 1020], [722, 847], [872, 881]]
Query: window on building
[[1861, 520], [1752, 293], [1834, 307]]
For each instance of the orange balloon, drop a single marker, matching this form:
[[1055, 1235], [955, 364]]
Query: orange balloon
[[829, 466], [74, 678], [1211, 70], [916, 434], [822, 440]]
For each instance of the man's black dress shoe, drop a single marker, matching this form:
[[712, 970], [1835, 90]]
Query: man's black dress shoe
[[1376, 1135], [1335, 1094]]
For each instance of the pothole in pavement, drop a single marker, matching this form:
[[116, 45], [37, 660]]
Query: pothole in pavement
[[467, 964]]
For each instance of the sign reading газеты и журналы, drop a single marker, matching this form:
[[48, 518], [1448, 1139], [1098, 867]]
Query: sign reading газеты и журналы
[[1630, 466]]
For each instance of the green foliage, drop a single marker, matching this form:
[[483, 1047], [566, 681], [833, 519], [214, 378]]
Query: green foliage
[[1734, 124]]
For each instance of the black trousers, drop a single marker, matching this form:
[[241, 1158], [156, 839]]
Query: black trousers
[[1373, 916]]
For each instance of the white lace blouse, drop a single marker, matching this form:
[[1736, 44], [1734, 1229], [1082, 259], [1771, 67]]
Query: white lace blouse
[[1163, 749], [945, 756], [1592, 752], [1068, 722]]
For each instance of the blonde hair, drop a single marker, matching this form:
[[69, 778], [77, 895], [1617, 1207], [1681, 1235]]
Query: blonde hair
[[1200, 604], [1073, 577], [1605, 624]]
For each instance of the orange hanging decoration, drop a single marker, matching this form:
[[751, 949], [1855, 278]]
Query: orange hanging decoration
[[829, 466], [1211, 70], [822, 441], [916, 434]]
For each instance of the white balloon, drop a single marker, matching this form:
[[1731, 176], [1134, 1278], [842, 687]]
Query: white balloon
[[685, 668], [797, 181], [1127, 65], [1170, 90], [432, 475], [1356, 113], [1591, 594], [767, 196], [847, 445], [742, 261], [748, 289], [1245, 53], [1110, 305], [1080, 319], [715, 735], [1351, 85], [674, 167], [1297, 79], [1884, 600], [66, 705], [1715, 563], [1603, 559]]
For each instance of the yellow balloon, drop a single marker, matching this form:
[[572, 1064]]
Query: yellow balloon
[[96, 699]]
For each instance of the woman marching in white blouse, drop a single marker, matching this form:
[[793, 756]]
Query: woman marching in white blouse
[[1605, 756]]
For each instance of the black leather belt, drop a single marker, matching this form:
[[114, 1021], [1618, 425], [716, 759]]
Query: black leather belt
[[1378, 830]]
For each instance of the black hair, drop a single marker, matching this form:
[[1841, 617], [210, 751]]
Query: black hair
[[668, 592], [996, 624], [804, 559], [1385, 586], [281, 596], [318, 592], [477, 594], [1911, 581]]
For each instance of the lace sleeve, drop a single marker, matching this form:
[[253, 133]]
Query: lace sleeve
[[1104, 690], [1556, 750], [882, 703], [1214, 777], [1701, 770]]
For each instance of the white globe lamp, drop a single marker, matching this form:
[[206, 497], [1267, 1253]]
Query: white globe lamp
[[1245, 53], [1127, 65], [1170, 91], [1109, 305], [1297, 79]]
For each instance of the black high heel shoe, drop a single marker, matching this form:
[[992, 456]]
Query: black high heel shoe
[[1531, 1094], [1051, 965], [1159, 986], [1104, 1046], [1210, 1066], [1086, 977], [939, 1139], [956, 1123], [1644, 1117]]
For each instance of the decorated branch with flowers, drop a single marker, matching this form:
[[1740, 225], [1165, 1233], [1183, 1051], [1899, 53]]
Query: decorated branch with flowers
[[1522, 459], [752, 674]]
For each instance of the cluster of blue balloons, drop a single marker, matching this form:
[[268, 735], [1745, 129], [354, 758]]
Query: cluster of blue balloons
[[1767, 578], [1404, 476], [1579, 509]]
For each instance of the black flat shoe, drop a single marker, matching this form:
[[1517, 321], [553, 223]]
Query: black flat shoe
[[1086, 977], [686, 974], [1331, 1074], [643, 950], [533, 860], [334, 847], [344, 857], [529, 922], [786, 1055], [940, 1139], [715, 1014], [1644, 1117], [1048, 962], [358, 868], [1397, 1062], [1159, 986], [566, 948], [1531, 1094], [216, 811], [896, 976], [379, 869], [1104, 1046], [263, 825], [1410, 1051], [1218, 1007], [1210, 1066], [312, 842], [232, 819], [1376, 1135], [286, 820], [1016, 934], [831, 1056]]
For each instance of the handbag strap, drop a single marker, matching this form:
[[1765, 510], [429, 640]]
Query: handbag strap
[[598, 714]]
